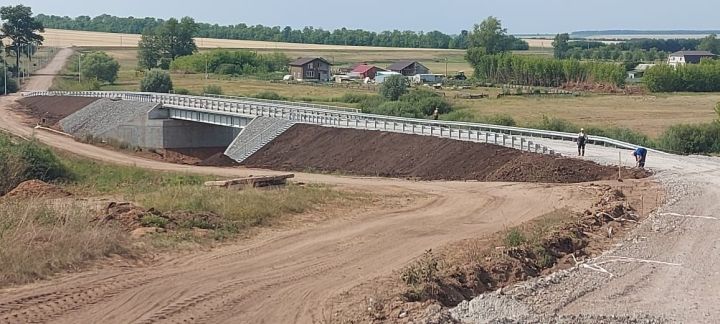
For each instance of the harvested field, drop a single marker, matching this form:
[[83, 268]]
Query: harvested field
[[373, 153], [53, 109]]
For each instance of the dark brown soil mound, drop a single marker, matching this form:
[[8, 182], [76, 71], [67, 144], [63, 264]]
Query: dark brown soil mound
[[219, 159], [374, 153], [53, 108], [36, 188]]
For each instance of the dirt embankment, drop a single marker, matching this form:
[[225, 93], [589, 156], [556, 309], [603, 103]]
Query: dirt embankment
[[52, 108], [374, 153]]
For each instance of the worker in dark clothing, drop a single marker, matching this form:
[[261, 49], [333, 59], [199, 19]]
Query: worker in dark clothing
[[436, 114], [581, 139], [640, 154]]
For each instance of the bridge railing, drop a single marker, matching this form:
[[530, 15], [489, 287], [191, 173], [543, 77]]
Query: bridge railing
[[316, 115], [284, 102]]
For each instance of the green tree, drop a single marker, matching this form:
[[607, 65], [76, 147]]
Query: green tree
[[21, 28], [156, 81], [393, 87], [560, 45], [490, 35], [710, 43], [159, 46], [100, 66]]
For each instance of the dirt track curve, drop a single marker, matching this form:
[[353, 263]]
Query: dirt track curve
[[292, 276]]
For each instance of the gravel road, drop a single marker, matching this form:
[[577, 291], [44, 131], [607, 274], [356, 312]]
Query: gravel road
[[665, 271]]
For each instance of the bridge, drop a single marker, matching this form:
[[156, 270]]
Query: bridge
[[260, 121]]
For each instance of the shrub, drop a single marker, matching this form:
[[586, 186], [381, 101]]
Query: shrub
[[691, 139], [100, 66], [394, 87], [427, 101], [498, 119], [228, 69], [703, 77], [213, 89], [269, 95], [515, 238], [371, 103], [399, 109], [354, 97], [156, 81]]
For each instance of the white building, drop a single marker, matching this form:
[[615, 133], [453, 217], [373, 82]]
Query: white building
[[688, 57]]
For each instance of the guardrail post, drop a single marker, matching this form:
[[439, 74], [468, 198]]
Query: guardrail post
[[513, 142], [504, 138], [537, 148], [530, 144]]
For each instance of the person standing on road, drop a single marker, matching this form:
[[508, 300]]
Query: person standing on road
[[581, 139], [640, 154]]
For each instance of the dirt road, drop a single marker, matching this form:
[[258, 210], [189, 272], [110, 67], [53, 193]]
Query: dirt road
[[290, 276], [278, 277]]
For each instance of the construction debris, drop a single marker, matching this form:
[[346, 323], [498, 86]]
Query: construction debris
[[251, 182]]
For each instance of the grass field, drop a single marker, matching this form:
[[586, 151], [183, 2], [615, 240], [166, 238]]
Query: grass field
[[648, 114]]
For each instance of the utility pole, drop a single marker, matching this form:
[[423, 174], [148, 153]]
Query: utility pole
[[79, 67]]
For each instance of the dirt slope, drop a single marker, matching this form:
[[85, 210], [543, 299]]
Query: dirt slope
[[387, 154], [52, 109]]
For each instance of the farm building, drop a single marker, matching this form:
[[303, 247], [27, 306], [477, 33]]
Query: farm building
[[408, 68], [639, 71], [310, 69], [381, 75], [366, 71], [427, 78], [688, 57]]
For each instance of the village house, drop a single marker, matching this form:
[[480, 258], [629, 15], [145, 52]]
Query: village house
[[408, 68], [688, 57], [315, 69], [366, 71]]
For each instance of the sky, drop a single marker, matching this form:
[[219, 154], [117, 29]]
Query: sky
[[448, 16]]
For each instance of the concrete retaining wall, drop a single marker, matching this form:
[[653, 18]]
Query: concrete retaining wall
[[144, 125]]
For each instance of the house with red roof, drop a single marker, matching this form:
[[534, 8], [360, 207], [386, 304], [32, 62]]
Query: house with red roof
[[366, 71]]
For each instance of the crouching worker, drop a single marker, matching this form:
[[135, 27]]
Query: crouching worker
[[640, 154]]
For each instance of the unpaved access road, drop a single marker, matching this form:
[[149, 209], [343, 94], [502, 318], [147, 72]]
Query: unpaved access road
[[279, 276], [291, 276]]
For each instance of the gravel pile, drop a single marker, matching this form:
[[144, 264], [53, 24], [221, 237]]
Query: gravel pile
[[102, 116]]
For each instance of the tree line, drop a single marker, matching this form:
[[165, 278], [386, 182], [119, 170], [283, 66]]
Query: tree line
[[241, 62], [307, 35], [635, 50], [703, 77]]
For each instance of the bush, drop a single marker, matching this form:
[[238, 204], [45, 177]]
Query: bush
[[703, 77], [515, 238], [213, 89], [398, 109], [692, 139], [228, 62], [394, 87], [156, 81], [100, 66], [354, 97], [498, 119], [427, 101], [269, 95]]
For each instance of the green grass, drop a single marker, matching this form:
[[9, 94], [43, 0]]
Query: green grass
[[240, 209], [90, 177]]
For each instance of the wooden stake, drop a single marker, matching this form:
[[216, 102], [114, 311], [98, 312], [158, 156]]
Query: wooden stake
[[619, 165]]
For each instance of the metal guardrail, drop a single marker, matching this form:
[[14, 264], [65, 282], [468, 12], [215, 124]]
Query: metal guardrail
[[501, 135], [284, 102]]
